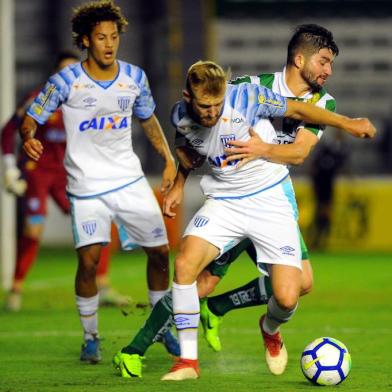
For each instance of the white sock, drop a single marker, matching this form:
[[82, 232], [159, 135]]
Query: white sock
[[276, 316], [186, 311], [88, 308], [155, 296]]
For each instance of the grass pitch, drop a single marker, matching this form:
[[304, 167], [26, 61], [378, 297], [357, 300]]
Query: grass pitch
[[351, 301]]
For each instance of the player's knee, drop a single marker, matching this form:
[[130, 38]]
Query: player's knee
[[206, 283], [287, 299], [185, 270], [88, 260], [307, 286], [158, 256]]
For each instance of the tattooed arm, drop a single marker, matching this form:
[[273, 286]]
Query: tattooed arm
[[154, 132]]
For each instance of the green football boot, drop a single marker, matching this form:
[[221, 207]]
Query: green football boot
[[129, 365], [210, 323]]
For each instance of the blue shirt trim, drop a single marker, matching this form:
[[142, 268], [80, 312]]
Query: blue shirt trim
[[106, 192], [106, 81], [251, 194]]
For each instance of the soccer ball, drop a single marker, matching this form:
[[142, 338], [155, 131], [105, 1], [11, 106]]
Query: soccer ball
[[326, 361]]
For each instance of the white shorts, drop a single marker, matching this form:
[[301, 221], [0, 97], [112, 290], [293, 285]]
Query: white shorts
[[134, 209], [268, 219]]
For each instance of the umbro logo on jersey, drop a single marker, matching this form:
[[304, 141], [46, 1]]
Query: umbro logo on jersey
[[104, 123], [90, 102], [89, 227], [287, 250], [124, 103], [200, 221]]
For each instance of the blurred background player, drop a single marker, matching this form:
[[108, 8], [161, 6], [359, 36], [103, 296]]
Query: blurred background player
[[105, 180], [34, 182], [328, 160]]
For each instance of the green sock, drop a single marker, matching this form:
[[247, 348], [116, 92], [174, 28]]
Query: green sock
[[256, 292], [158, 323]]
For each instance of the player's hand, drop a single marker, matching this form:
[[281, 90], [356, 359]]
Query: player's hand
[[189, 158], [246, 151], [361, 127], [172, 200], [13, 181], [33, 148], [168, 176]]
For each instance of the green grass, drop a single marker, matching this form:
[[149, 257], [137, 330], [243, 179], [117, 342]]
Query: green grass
[[351, 301]]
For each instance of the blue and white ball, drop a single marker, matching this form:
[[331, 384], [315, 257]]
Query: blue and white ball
[[326, 361]]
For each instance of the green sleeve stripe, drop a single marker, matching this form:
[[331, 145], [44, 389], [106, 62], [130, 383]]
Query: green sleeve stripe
[[266, 80], [331, 105], [314, 128]]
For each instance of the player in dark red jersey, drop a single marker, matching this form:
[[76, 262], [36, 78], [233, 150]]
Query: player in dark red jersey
[[35, 181]]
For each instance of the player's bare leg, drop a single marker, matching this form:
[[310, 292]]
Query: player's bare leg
[[194, 255], [108, 296], [306, 278], [286, 286], [87, 300]]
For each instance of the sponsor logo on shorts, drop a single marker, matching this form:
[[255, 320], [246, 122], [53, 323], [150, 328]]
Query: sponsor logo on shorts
[[89, 227], [287, 250], [196, 142], [157, 232], [124, 103], [200, 221]]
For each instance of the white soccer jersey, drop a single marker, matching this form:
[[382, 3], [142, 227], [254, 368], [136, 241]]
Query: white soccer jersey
[[97, 117], [287, 128], [245, 105]]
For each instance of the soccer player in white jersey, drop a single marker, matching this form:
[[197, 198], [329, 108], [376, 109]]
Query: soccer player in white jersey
[[105, 180], [255, 201], [310, 55]]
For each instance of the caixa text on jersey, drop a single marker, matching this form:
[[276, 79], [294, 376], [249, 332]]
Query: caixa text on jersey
[[102, 123]]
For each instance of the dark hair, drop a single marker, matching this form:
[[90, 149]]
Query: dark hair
[[310, 39], [87, 16], [65, 54]]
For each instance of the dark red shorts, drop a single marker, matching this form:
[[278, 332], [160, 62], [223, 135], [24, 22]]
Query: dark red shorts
[[42, 182]]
